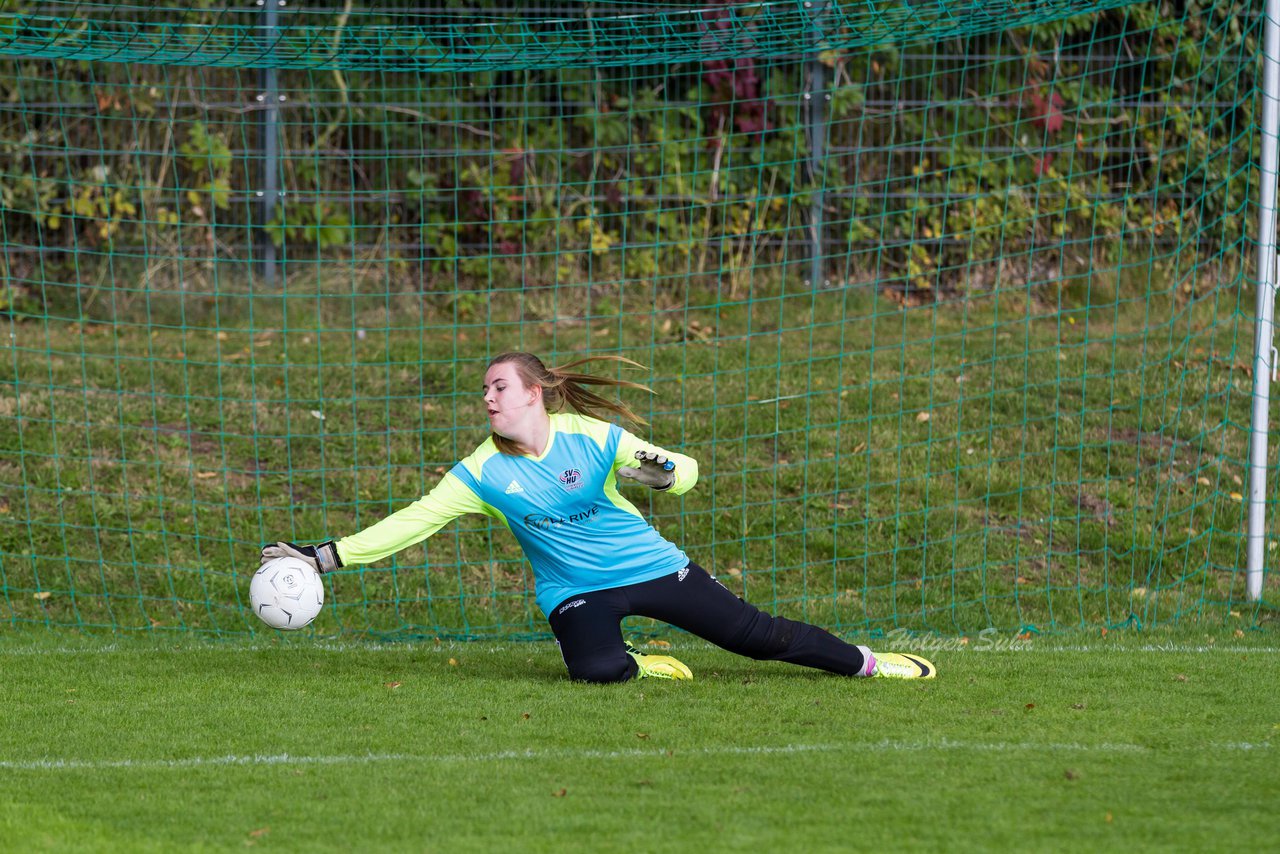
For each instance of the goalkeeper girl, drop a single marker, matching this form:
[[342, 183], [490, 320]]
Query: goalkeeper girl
[[550, 473]]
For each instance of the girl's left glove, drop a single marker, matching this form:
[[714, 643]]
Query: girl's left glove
[[656, 471]]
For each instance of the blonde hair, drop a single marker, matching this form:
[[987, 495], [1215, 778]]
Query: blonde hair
[[562, 385]]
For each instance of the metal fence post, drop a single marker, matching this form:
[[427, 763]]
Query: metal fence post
[[815, 101], [269, 139]]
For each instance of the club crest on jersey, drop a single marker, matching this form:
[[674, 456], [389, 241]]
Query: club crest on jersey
[[572, 479]]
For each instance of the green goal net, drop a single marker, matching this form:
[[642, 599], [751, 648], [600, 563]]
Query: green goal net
[[952, 301]]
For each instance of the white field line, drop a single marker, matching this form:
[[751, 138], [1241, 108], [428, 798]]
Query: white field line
[[940, 646], [885, 746]]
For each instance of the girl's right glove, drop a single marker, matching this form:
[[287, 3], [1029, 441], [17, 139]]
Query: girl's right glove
[[324, 557]]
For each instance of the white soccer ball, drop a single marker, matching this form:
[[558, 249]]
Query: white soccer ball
[[286, 593]]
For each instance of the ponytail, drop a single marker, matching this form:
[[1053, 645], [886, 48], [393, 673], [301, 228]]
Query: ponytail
[[563, 385]]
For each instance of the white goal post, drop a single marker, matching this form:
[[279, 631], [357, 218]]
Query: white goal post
[[1264, 355]]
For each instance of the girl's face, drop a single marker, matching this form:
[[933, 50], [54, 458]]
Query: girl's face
[[508, 400]]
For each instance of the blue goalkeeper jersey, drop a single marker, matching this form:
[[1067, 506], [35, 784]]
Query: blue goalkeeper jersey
[[579, 533]]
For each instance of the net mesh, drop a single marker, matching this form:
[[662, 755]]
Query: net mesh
[[950, 301]]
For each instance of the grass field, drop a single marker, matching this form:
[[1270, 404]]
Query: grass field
[[1055, 464], [1146, 741]]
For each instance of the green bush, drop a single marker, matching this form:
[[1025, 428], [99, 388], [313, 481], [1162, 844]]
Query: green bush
[[1043, 149]]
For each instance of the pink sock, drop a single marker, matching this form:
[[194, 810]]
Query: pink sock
[[868, 662]]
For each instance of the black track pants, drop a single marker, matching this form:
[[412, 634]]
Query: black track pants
[[590, 636]]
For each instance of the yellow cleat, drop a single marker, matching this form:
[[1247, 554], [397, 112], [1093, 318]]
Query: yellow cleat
[[658, 666], [893, 665]]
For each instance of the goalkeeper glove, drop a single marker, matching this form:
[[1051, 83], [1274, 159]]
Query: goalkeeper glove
[[656, 471], [323, 558]]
